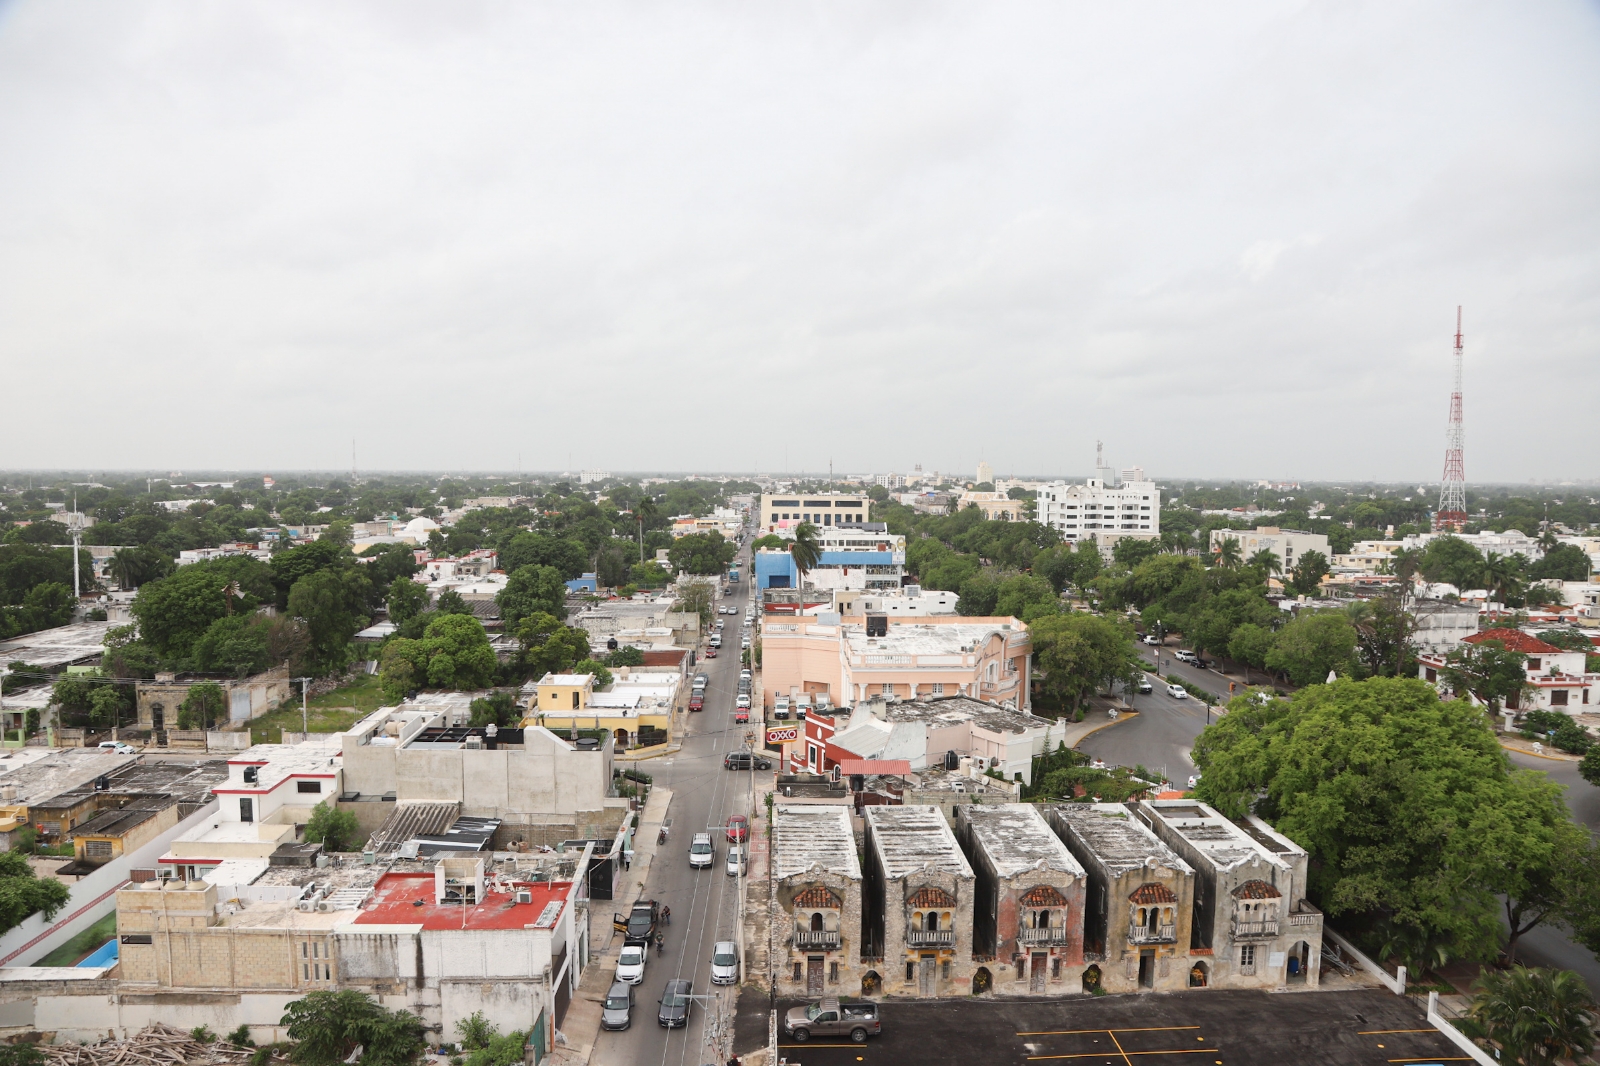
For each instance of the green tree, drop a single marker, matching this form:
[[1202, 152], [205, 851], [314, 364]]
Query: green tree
[[695, 597], [770, 542], [532, 590], [1250, 644], [1414, 818], [1077, 653], [806, 549], [702, 553], [454, 652], [1227, 553], [1451, 560], [1536, 1016], [237, 645], [174, 612], [451, 602], [548, 647], [292, 565], [1487, 670], [132, 567], [203, 707], [649, 575], [566, 555], [1026, 597], [334, 829], [333, 605], [1504, 576], [602, 676], [979, 594], [1314, 643], [327, 1027], [498, 709], [476, 1031], [1130, 552], [406, 599], [1589, 766], [1384, 629], [386, 563], [625, 656], [1564, 562], [1306, 575], [1265, 560], [23, 894], [108, 704]]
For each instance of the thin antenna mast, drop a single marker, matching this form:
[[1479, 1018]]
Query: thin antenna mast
[[1452, 513]]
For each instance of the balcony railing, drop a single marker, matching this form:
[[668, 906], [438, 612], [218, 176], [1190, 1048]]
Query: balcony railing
[[1144, 934], [816, 939], [1054, 935], [930, 938], [1304, 914], [1248, 930]]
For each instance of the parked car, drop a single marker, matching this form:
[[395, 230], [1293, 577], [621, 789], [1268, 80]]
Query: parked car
[[1204, 664], [738, 828], [618, 1010], [1184, 655], [630, 963], [711, 652], [829, 1017], [716, 640], [1177, 692], [741, 714], [742, 760], [702, 853], [744, 675], [1152, 640], [725, 963], [676, 1004], [702, 680], [745, 643], [738, 861], [1145, 688], [743, 700], [116, 747]]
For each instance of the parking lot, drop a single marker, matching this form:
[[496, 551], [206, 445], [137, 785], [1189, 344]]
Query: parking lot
[[1244, 1028]]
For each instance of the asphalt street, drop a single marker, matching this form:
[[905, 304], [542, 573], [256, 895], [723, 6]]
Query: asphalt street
[[705, 905], [1161, 735]]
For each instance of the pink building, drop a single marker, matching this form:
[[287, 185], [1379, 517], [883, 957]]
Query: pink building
[[910, 658]]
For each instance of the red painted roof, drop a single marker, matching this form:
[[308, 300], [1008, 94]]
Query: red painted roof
[[874, 766], [395, 901], [1514, 640]]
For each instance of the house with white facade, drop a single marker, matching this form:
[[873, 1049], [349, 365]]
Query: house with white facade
[[1558, 679]]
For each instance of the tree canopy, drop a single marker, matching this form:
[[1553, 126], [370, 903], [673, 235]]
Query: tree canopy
[[1078, 653], [702, 553], [1414, 818], [532, 590]]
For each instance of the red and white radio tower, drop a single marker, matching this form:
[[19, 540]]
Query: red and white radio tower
[[1452, 513]]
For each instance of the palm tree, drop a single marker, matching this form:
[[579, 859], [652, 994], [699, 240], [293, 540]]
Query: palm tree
[[1502, 576], [126, 567], [1536, 1015], [645, 511], [805, 550], [1227, 553], [1266, 560], [1404, 563]]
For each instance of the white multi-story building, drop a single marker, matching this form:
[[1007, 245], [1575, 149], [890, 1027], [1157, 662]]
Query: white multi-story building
[[1289, 545], [1101, 508]]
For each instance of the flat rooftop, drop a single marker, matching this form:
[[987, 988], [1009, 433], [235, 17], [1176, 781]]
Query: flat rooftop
[[1219, 841], [938, 779], [813, 835], [279, 762], [186, 782], [913, 838], [1017, 839], [52, 649], [911, 638], [408, 899], [63, 771], [1120, 841], [958, 710]]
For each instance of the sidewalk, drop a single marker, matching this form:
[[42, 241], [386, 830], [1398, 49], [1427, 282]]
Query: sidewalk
[[581, 1027]]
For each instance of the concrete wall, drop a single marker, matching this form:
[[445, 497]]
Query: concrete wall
[[90, 899], [845, 919]]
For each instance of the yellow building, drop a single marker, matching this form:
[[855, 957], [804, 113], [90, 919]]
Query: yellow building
[[562, 692]]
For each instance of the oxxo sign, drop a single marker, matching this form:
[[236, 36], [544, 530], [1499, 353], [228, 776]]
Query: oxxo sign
[[782, 734]]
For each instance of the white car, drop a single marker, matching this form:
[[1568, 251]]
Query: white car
[[630, 964], [745, 643], [116, 747], [1152, 640], [1177, 692], [743, 700], [725, 963], [744, 675], [702, 853], [738, 863]]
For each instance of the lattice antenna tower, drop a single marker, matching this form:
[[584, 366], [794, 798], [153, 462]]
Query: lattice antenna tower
[[1452, 512]]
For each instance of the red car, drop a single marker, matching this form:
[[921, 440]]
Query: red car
[[711, 653], [738, 828], [740, 714], [697, 703]]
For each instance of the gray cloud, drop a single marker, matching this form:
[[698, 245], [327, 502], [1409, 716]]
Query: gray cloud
[[239, 235]]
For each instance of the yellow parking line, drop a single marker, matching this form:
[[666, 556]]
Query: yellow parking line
[[1150, 1029], [1128, 1054]]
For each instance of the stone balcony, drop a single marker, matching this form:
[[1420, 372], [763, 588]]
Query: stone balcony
[[1043, 937], [1254, 930], [816, 940], [930, 938], [1144, 934]]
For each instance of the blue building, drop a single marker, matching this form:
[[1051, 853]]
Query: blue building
[[589, 583]]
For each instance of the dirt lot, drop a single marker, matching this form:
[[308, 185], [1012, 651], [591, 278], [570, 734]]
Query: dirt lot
[[1359, 1028]]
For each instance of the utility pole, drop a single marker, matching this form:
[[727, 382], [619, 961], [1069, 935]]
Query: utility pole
[[305, 720]]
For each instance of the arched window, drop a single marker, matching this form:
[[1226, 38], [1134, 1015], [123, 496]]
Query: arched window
[[933, 921], [816, 922]]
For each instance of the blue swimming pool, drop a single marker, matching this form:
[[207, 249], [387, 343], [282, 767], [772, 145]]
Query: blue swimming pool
[[104, 955]]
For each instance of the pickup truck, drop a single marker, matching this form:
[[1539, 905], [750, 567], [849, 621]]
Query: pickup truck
[[829, 1017], [639, 927]]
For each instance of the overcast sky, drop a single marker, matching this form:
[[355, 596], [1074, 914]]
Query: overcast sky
[[1228, 240]]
